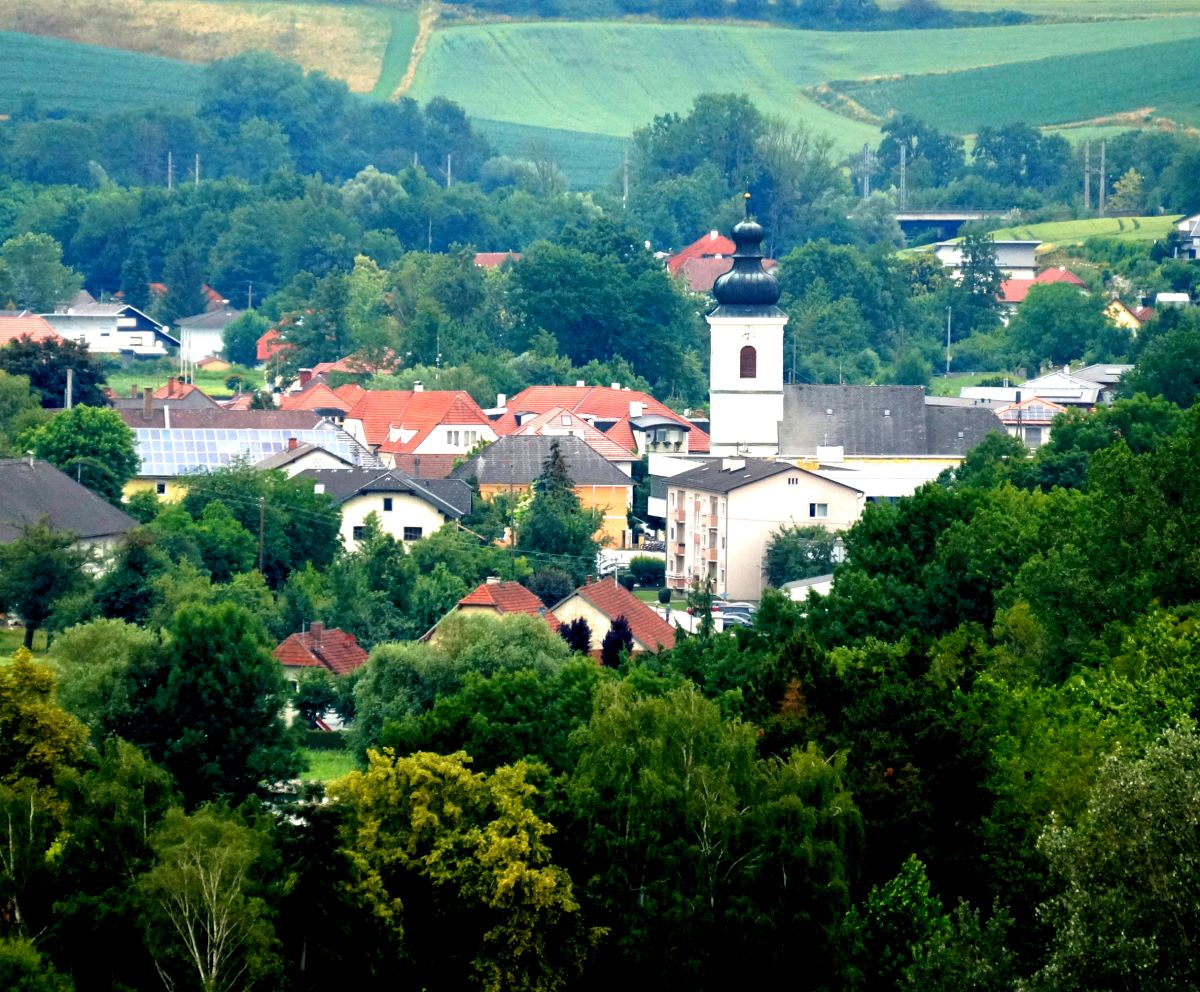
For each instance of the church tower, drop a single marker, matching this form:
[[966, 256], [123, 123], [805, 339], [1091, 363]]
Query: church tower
[[745, 392]]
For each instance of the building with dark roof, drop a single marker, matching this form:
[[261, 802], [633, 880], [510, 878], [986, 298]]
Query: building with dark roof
[[722, 516], [35, 491], [406, 508], [509, 466]]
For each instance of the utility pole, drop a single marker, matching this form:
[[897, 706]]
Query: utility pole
[[903, 177], [70, 398], [249, 295], [448, 175], [262, 526], [866, 171], [949, 311], [1087, 175], [625, 181], [197, 169], [1103, 180], [170, 169]]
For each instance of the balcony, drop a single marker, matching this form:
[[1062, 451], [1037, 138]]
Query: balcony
[[710, 554], [710, 521], [681, 548], [681, 515]]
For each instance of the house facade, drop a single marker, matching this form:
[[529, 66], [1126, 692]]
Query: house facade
[[602, 602], [113, 328], [407, 509], [721, 518]]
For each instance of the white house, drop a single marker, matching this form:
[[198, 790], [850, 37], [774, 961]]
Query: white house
[[721, 518], [113, 328], [407, 509], [1014, 259], [203, 334]]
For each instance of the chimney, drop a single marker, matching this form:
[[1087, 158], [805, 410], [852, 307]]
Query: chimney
[[501, 399], [616, 385], [316, 630], [579, 383], [636, 408], [133, 392], [147, 404], [713, 235], [493, 580], [292, 443], [418, 386], [305, 376]]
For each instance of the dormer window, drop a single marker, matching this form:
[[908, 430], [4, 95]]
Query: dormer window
[[748, 362]]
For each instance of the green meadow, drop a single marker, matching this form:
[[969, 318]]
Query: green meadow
[[1073, 232], [89, 79]]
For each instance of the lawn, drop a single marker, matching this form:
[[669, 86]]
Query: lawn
[[12, 638], [951, 385], [213, 383], [325, 766]]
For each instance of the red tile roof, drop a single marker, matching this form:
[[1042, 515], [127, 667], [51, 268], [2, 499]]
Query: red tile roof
[[649, 630], [1015, 290], [356, 364], [600, 402], [350, 392], [494, 259], [711, 244], [334, 650], [382, 410], [319, 397], [425, 466], [508, 597], [622, 433], [270, 345], [176, 390], [556, 420], [36, 328]]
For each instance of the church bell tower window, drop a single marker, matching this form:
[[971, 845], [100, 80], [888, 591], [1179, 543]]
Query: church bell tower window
[[748, 362]]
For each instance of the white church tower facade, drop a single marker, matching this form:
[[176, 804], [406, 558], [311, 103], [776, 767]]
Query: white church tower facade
[[745, 393]]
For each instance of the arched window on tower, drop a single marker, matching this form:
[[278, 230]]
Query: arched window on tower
[[749, 362]]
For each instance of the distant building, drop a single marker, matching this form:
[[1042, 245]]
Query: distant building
[[25, 325], [317, 649], [1014, 259], [112, 329], [602, 602], [497, 598], [705, 260], [203, 334]]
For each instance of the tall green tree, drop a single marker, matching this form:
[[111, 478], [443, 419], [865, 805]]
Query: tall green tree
[[32, 276], [240, 338], [555, 525], [45, 364], [91, 445], [183, 274], [207, 705], [37, 570]]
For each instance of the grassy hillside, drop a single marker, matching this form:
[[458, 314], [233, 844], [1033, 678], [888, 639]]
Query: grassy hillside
[[1074, 232], [88, 79], [588, 160], [346, 41], [1049, 90], [610, 78]]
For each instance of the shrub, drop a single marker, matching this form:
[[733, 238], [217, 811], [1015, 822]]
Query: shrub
[[627, 580], [664, 596], [648, 571]]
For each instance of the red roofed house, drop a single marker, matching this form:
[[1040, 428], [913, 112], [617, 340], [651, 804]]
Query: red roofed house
[[498, 598], [269, 345], [495, 259], [21, 325], [1013, 291], [1030, 419], [704, 260], [558, 422], [317, 397], [334, 651], [178, 390], [600, 603], [421, 432], [625, 415]]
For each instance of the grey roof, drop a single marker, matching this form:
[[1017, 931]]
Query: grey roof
[[345, 484], [32, 492], [518, 459], [877, 420], [289, 455], [1105, 375], [210, 319], [228, 419], [714, 477]]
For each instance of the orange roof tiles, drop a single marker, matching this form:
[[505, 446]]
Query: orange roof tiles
[[613, 600], [334, 650], [711, 244], [556, 420], [176, 390], [1015, 290], [508, 597], [36, 328], [622, 433], [270, 345], [319, 397], [599, 402], [494, 259], [418, 412]]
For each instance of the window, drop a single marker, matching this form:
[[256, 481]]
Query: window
[[452, 438], [412, 533], [818, 509], [160, 488], [749, 362], [793, 481], [387, 504], [359, 533]]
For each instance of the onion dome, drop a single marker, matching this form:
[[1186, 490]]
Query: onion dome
[[747, 283]]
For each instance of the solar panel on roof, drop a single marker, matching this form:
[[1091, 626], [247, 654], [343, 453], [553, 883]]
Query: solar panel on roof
[[182, 450]]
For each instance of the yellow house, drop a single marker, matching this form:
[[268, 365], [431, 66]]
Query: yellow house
[[510, 465], [1126, 318]]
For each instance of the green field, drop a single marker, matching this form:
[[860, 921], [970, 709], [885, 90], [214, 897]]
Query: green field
[[324, 766], [89, 79], [1049, 90], [610, 78], [588, 160], [1074, 232], [213, 383], [396, 56]]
